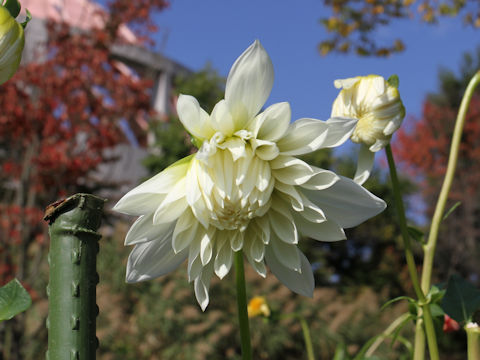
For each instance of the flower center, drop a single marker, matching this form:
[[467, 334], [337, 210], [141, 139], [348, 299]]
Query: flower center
[[236, 184]]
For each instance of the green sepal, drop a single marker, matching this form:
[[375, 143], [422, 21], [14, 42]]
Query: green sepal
[[196, 141], [27, 19], [452, 209], [13, 300], [461, 299], [394, 81], [13, 7], [416, 234]]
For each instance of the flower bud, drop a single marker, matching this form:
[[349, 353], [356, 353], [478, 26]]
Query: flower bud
[[12, 40], [375, 103]]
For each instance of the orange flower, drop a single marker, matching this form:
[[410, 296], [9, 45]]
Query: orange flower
[[258, 307]]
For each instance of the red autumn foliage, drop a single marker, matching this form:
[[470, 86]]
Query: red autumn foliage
[[424, 148], [58, 116]]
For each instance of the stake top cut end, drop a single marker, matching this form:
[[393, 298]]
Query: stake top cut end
[[78, 200]]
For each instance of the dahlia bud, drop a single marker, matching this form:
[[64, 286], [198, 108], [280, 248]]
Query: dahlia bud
[[12, 40], [376, 105]]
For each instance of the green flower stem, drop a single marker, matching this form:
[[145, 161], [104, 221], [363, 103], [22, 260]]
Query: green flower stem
[[473, 341], [73, 277], [431, 244], [427, 316], [307, 338], [242, 307], [386, 334]]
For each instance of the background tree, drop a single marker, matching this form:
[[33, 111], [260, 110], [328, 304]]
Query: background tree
[[353, 24], [58, 116], [424, 148]]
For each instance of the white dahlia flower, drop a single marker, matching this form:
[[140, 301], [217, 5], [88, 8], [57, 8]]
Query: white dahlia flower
[[377, 106], [243, 190]]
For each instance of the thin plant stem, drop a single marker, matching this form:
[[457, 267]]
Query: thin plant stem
[[431, 244], [427, 316], [307, 338], [473, 341], [242, 307], [419, 344]]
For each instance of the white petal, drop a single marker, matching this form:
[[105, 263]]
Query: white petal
[[272, 123], [364, 165], [153, 259], [311, 212], [264, 149], [195, 265], [258, 266], [185, 231], [224, 258], [303, 136], [193, 117], [263, 225], [301, 282], [169, 212], [346, 202], [325, 231], [291, 193], [222, 119], [236, 147], [201, 286], [146, 197], [281, 221], [346, 83], [236, 240], [290, 170], [249, 83], [285, 253], [206, 247], [257, 250], [322, 179], [339, 130], [143, 230]]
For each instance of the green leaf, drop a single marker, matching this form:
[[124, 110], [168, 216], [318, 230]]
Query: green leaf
[[436, 293], [13, 7], [389, 302], [394, 81], [457, 204], [461, 299], [436, 310], [27, 19], [13, 300], [396, 333], [416, 234]]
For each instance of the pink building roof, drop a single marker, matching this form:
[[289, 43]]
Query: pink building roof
[[83, 14]]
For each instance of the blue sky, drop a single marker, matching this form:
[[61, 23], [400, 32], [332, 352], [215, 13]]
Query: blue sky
[[217, 31]]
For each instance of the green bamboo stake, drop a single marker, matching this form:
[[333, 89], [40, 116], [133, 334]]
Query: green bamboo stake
[[71, 291]]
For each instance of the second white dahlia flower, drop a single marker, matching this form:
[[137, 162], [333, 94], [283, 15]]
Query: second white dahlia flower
[[243, 190]]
